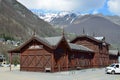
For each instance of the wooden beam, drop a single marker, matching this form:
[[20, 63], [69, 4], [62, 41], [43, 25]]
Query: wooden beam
[[52, 62], [10, 61], [67, 59], [20, 61], [59, 67]]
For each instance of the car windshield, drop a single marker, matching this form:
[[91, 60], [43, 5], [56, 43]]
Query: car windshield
[[112, 65]]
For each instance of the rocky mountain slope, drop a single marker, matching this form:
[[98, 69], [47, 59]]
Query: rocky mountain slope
[[18, 22], [65, 18], [96, 26], [58, 19]]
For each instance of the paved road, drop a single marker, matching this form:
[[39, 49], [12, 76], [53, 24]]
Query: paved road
[[87, 74], [95, 74]]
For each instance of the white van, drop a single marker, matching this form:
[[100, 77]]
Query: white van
[[113, 68]]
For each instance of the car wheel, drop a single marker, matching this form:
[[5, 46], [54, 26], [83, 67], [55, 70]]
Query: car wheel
[[106, 73], [113, 72]]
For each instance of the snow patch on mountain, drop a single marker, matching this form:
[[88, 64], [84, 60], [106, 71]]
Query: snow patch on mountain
[[72, 21], [50, 16], [62, 14]]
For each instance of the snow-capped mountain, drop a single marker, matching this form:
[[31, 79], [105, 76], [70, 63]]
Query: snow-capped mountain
[[93, 24], [63, 19], [57, 19], [47, 17]]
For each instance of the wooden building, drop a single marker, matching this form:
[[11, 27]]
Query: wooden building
[[52, 54], [100, 47], [56, 54], [113, 56], [80, 57]]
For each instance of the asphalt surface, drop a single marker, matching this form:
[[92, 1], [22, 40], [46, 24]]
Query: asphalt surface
[[87, 74]]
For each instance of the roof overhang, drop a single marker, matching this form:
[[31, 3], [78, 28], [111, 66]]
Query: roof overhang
[[18, 50]]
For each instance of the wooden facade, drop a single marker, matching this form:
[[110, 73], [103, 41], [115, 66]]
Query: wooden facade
[[113, 56], [56, 54], [101, 57], [39, 54], [80, 60]]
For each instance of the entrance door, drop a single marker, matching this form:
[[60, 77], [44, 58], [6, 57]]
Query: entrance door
[[35, 62]]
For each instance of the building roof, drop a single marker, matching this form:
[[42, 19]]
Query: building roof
[[95, 39], [89, 37], [79, 47], [52, 42], [55, 40], [114, 52], [40, 39]]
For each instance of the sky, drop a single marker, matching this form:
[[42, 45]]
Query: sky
[[106, 7]]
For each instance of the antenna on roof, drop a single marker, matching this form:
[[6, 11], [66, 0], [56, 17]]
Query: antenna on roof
[[118, 52], [63, 32], [93, 34], [83, 31], [118, 49], [34, 33]]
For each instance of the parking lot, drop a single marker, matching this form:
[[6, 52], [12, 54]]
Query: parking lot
[[87, 74]]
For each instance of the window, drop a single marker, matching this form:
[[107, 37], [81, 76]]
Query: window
[[100, 46], [82, 57], [36, 47], [72, 56], [117, 66], [59, 51]]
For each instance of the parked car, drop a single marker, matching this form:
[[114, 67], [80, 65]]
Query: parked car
[[113, 68]]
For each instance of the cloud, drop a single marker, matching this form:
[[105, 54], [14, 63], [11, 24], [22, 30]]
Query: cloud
[[95, 12], [48, 4], [64, 5], [113, 6], [87, 5]]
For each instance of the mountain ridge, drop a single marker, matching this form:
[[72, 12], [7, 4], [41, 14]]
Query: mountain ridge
[[16, 20], [53, 17], [97, 25]]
